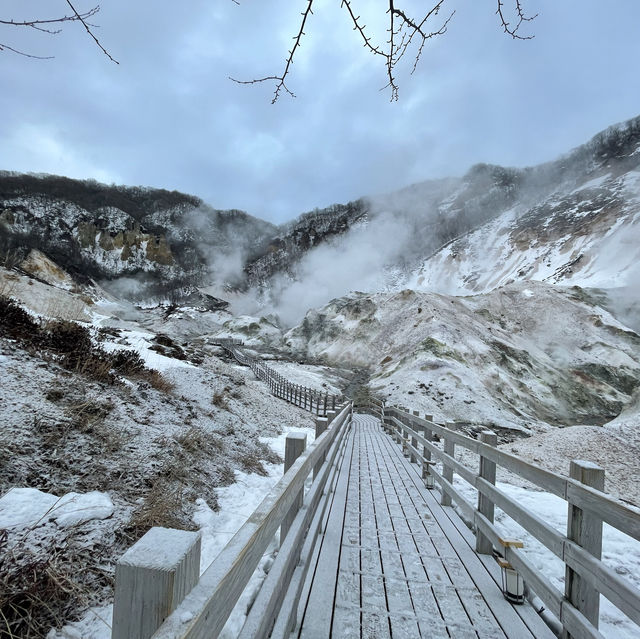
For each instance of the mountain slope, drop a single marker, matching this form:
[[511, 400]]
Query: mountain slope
[[587, 233], [526, 356]]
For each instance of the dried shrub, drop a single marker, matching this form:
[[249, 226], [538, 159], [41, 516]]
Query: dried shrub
[[70, 344], [87, 415], [15, 322], [161, 506], [195, 440], [127, 362], [219, 399], [158, 381], [71, 340], [42, 590]]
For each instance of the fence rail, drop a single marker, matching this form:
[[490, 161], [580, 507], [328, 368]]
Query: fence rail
[[202, 606], [577, 609], [309, 399]]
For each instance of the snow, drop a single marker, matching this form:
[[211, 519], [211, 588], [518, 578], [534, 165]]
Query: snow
[[317, 378], [160, 548], [94, 624], [237, 502], [26, 507], [140, 341]]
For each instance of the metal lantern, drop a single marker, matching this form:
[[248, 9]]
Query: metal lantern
[[428, 479], [512, 582]]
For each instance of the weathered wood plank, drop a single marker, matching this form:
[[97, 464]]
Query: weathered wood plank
[[585, 529], [317, 618], [501, 609], [531, 618], [205, 610], [485, 505], [280, 582], [294, 447]]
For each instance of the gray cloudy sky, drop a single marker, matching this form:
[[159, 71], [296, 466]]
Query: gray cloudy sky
[[167, 116]]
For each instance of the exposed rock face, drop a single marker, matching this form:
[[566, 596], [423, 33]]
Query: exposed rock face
[[583, 228], [282, 252], [105, 232]]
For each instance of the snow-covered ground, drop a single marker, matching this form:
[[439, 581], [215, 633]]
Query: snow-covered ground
[[524, 357], [317, 378]]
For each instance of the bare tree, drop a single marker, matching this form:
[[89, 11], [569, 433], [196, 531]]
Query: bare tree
[[405, 32], [53, 26]]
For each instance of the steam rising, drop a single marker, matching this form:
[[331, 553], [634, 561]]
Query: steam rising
[[362, 260]]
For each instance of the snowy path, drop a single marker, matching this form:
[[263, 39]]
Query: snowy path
[[393, 562]]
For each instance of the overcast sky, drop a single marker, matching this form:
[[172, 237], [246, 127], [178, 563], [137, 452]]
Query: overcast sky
[[167, 116]]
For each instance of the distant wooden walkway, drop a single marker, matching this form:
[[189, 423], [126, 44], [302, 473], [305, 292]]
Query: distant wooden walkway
[[393, 563]]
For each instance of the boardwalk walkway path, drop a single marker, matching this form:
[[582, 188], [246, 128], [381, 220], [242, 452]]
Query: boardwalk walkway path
[[393, 563]]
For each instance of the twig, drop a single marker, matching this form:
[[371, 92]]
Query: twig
[[281, 78], [522, 17], [86, 26], [26, 55]]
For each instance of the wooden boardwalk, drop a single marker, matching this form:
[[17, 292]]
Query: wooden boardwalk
[[393, 563]]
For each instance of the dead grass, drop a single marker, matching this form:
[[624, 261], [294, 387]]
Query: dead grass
[[161, 506], [220, 400], [71, 345], [196, 440], [159, 381], [45, 587]]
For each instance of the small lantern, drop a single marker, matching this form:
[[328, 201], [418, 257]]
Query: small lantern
[[427, 476], [512, 582]]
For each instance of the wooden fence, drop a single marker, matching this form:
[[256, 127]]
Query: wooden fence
[[158, 592], [312, 400], [577, 608]]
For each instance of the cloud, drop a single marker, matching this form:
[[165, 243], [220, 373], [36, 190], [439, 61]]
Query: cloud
[[168, 116]]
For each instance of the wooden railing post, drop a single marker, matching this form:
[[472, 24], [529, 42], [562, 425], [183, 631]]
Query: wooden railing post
[[414, 442], [485, 505], [585, 529], [152, 579], [426, 453], [322, 424], [447, 472], [294, 447]]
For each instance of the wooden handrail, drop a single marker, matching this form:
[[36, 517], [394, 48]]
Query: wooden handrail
[[204, 611], [589, 569]]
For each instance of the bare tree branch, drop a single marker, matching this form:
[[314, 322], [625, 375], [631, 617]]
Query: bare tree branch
[[281, 78], [42, 26], [26, 55], [37, 24], [522, 18], [88, 29], [403, 31]]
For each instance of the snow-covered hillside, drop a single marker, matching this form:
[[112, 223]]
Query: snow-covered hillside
[[588, 237], [90, 457], [524, 356], [507, 298]]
